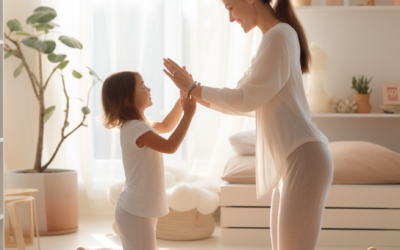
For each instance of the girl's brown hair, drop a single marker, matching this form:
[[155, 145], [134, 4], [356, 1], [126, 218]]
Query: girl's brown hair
[[117, 97], [285, 13]]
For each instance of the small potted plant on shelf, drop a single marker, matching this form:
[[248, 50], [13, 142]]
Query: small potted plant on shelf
[[363, 94], [57, 198]]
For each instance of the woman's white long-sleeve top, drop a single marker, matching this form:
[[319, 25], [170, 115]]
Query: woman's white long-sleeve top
[[273, 88]]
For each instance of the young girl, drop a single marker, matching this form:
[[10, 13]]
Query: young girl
[[125, 97]]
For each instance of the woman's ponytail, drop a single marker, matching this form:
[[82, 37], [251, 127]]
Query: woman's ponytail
[[284, 11]]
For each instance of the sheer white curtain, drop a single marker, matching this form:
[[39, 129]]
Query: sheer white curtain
[[137, 35]]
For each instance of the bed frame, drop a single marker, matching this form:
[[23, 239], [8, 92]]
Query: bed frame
[[355, 215]]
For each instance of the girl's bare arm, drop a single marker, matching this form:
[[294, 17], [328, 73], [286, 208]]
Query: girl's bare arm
[[171, 145], [170, 121]]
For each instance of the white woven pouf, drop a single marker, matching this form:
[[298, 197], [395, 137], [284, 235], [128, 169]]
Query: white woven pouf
[[192, 200], [189, 225]]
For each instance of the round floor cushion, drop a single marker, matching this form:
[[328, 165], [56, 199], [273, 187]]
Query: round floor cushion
[[189, 225]]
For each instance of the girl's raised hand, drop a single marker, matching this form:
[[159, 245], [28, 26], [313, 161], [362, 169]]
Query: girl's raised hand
[[189, 105]]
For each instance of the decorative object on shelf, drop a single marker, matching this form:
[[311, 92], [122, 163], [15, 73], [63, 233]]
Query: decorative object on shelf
[[397, 2], [57, 199], [345, 106], [334, 2], [301, 2], [387, 109], [391, 93], [363, 94], [318, 98], [369, 3]]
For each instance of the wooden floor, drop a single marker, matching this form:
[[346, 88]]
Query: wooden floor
[[95, 232]]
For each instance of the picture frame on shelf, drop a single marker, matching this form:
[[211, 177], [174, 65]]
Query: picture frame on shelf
[[391, 93]]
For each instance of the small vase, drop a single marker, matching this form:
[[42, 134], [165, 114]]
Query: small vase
[[301, 2], [397, 2], [362, 101], [334, 2]]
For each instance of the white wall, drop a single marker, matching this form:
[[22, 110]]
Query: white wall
[[358, 42], [21, 106]]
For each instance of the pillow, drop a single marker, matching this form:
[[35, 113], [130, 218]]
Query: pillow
[[244, 143], [358, 162], [240, 169]]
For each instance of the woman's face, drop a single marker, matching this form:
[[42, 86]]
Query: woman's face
[[243, 12], [142, 94]]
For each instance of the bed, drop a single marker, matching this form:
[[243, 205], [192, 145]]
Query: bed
[[355, 215]]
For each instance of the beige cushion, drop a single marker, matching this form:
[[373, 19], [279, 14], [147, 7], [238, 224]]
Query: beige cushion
[[358, 162], [240, 169]]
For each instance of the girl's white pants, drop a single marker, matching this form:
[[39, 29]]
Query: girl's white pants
[[298, 202], [136, 233]]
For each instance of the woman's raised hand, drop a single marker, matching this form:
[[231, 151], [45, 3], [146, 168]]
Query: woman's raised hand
[[179, 76]]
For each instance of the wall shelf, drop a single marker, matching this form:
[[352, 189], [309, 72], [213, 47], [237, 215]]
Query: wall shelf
[[347, 8], [353, 115]]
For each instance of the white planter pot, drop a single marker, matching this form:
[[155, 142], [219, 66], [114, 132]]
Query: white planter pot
[[56, 200]]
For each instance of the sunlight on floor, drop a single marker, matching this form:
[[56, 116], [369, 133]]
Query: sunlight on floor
[[95, 232]]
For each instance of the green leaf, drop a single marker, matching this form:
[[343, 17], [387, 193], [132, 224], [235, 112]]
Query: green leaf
[[70, 42], [22, 34], [62, 65], [43, 27], [18, 70], [76, 74], [56, 58], [85, 110], [96, 78], [14, 25], [10, 53], [35, 43], [51, 46], [42, 15], [54, 24], [49, 112]]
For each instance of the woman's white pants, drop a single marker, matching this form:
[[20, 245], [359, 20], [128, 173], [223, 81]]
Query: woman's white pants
[[136, 233], [298, 203]]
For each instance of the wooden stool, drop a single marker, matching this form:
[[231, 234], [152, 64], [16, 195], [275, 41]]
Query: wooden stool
[[20, 191], [15, 226]]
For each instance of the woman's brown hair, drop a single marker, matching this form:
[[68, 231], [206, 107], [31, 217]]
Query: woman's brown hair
[[285, 13], [117, 97]]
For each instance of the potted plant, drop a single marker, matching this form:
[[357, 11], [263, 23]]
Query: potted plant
[[363, 94], [57, 198]]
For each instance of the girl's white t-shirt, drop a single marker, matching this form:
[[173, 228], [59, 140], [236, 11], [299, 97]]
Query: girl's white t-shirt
[[144, 192]]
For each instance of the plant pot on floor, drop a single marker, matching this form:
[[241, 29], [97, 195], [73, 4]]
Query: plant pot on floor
[[362, 101], [56, 200]]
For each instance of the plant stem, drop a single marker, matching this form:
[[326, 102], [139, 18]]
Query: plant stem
[[63, 137], [39, 148], [48, 79], [34, 82]]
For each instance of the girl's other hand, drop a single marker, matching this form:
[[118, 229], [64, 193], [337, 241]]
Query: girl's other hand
[[189, 105]]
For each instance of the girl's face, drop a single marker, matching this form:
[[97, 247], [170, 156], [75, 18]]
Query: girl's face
[[142, 94], [243, 12]]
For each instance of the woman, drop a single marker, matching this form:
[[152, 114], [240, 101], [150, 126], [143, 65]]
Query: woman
[[292, 155]]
